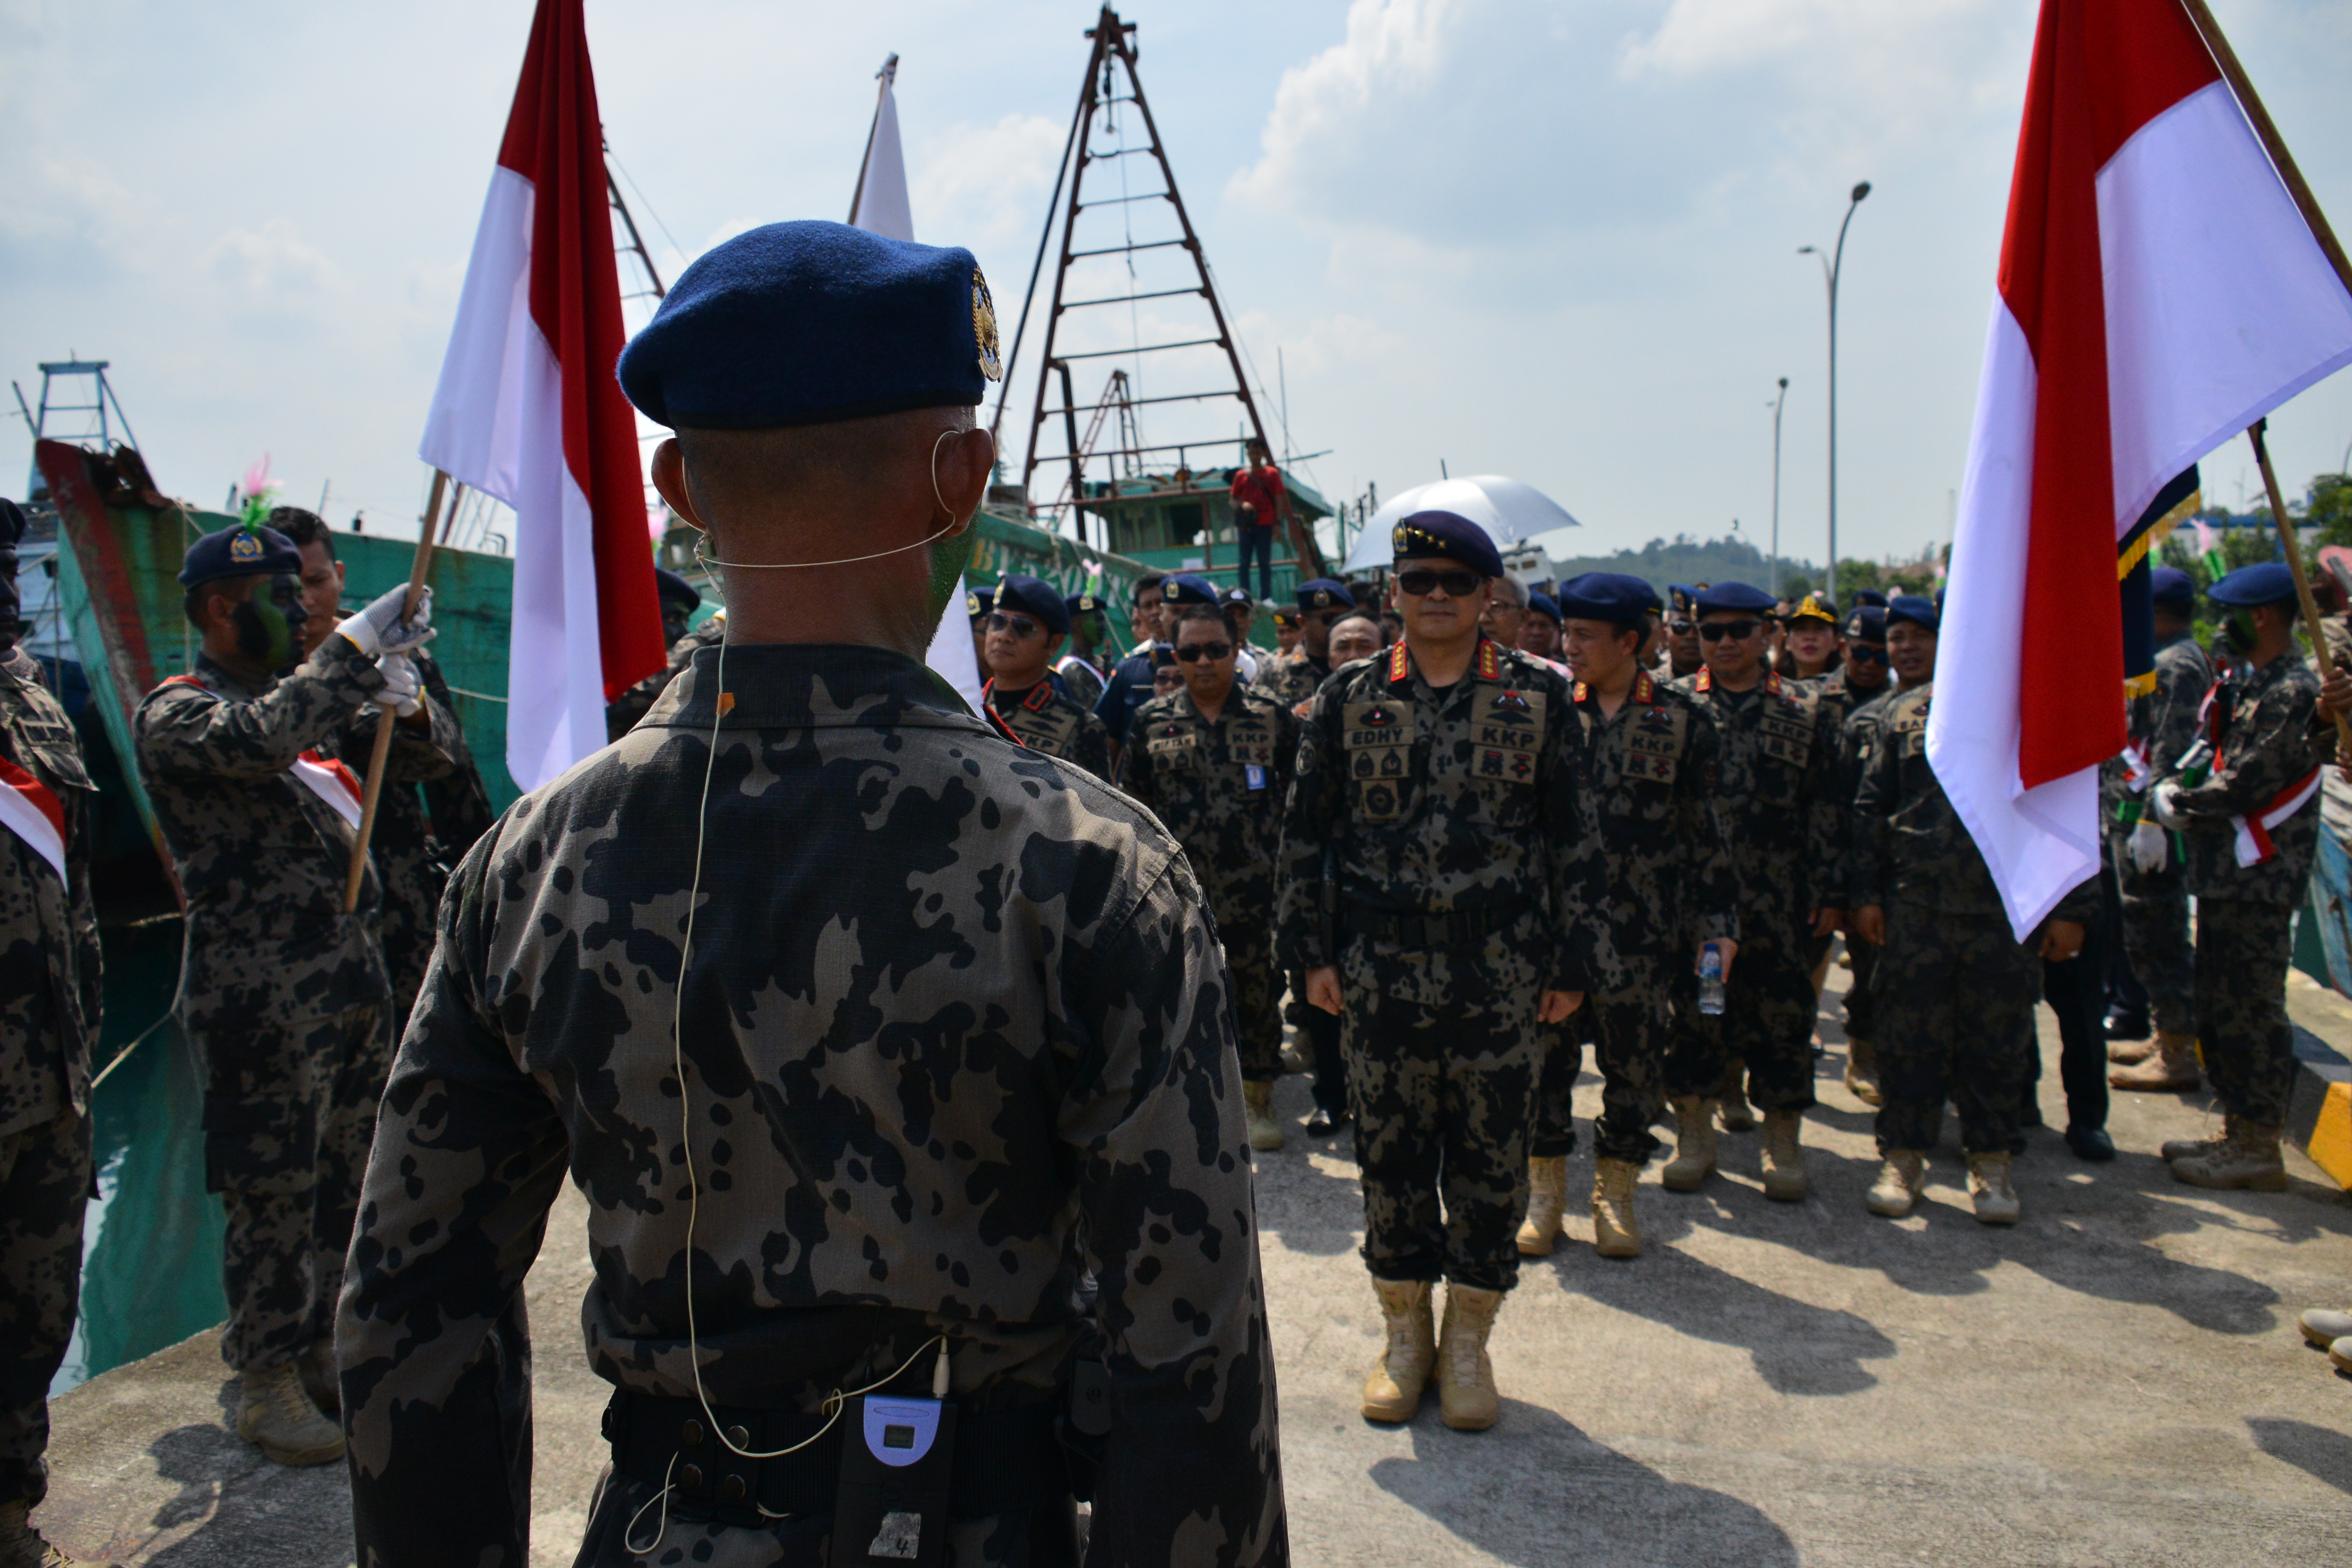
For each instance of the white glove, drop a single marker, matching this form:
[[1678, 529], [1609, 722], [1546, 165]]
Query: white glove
[[380, 627], [402, 685], [2160, 804], [2149, 847]]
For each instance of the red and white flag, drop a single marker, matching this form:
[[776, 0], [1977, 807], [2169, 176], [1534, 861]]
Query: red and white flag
[[331, 782], [529, 410], [2159, 292]]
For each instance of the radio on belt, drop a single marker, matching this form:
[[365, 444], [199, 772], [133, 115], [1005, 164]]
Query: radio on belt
[[896, 1474]]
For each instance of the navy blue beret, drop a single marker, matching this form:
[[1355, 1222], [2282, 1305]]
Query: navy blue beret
[[976, 603], [1866, 623], [2172, 588], [1612, 597], [1035, 597], [1939, 602], [674, 588], [1324, 594], [239, 552], [1446, 536], [1815, 608], [2264, 583], [1544, 605], [1081, 604], [1738, 596], [1184, 588], [1870, 596], [803, 323], [1918, 610], [1683, 595]]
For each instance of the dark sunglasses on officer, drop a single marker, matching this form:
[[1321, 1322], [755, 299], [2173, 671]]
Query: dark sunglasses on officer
[[1192, 652], [1018, 625], [1420, 581], [1737, 631], [1864, 653]]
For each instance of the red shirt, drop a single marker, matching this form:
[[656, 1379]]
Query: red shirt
[[1260, 488]]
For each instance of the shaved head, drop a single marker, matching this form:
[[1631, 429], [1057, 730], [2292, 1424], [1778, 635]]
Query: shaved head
[[737, 474]]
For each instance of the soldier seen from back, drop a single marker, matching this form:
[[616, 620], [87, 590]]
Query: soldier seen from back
[[892, 1056], [1026, 627]]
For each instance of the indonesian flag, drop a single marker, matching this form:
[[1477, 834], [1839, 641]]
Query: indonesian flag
[[331, 782], [528, 410], [2159, 292]]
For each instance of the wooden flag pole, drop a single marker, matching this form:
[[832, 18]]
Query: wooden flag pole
[[383, 753], [2312, 624]]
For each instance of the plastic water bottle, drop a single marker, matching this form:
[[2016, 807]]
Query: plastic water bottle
[[1710, 979]]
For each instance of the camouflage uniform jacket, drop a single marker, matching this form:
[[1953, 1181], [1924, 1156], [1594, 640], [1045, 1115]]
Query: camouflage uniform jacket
[[627, 711], [1081, 678], [260, 858], [48, 926], [958, 1037], [1776, 781], [1048, 721], [1470, 800], [1294, 680], [1219, 788], [1671, 881], [2162, 722], [1857, 743], [2268, 738], [1909, 844]]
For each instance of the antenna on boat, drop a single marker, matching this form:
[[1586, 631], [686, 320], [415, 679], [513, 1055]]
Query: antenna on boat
[[1110, 81]]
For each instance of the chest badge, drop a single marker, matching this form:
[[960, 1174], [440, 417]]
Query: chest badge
[[1378, 719], [1511, 702]]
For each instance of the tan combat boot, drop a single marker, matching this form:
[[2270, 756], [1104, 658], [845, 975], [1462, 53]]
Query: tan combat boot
[[1862, 1071], [1898, 1184], [1466, 1377], [1784, 1157], [1731, 1097], [1547, 1203], [277, 1417], [1394, 1391], [1694, 1160], [2173, 1149], [1257, 1105], [320, 1379], [1615, 1233], [22, 1546], [2170, 1068], [2248, 1159], [2127, 1053], [2324, 1328], [1995, 1199]]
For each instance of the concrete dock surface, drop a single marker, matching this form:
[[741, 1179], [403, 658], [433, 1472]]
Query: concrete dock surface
[[2116, 1381]]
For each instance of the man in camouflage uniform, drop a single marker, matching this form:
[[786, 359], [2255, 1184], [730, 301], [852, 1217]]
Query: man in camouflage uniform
[[1445, 783], [1081, 669], [1024, 630], [1671, 888], [1967, 986], [2252, 826], [2151, 869], [1861, 687], [285, 994], [680, 600], [1213, 763], [49, 996], [1776, 787], [870, 1036]]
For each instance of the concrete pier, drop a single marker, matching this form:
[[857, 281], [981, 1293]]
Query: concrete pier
[[2118, 1379]]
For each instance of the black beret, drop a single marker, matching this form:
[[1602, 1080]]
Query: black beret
[[1081, 604], [803, 323], [1738, 596], [1866, 623], [11, 524], [675, 589], [1816, 608], [239, 552], [1543, 604], [1285, 617], [1239, 595], [974, 603], [1446, 536], [2173, 588], [1870, 596], [1911, 607], [1324, 594], [1184, 588], [1612, 597], [1035, 597]]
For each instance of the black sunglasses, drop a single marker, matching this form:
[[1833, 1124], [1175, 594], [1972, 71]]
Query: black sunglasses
[[1682, 628], [1420, 581], [1018, 625], [1192, 652], [1738, 631], [1864, 653]]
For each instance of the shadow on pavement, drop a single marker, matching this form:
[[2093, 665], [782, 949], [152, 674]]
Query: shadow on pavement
[[255, 1514], [2315, 1450], [1521, 1490]]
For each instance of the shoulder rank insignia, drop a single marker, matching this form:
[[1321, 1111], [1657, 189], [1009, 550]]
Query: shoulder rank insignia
[[1645, 690], [1772, 681], [1035, 702], [1490, 663], [1706, 681], [1400, 661], [1581, 693]]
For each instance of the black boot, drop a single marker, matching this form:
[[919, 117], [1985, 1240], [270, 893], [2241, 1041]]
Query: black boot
[[2125, 1026], [2091, 1143]]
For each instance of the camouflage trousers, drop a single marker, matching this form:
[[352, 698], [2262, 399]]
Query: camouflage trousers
[[2154, 920], [1956, 1023], [1443, 1096], [1861, 1018], [1629, 1029], [1044, 1538], [44, 1189], [1257, 1001], [1767, 1022], [2243, 948], [288, 1115]]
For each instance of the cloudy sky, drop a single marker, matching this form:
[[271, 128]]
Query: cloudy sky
[[1556, 241]]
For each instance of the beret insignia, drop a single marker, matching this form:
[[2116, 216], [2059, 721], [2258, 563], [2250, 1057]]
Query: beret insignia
[[983, 327], [245, 547]]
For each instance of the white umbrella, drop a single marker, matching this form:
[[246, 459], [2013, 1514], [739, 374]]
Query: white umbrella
[[1511, 513]]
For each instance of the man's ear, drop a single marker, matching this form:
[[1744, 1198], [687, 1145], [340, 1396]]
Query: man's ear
[[962, 464], [1054, 642], [669, 478]]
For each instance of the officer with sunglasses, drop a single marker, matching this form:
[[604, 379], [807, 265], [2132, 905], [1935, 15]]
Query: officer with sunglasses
[[1777, 791], [1681, 629], [1323, 603], [1026, 627], [1442, 885]]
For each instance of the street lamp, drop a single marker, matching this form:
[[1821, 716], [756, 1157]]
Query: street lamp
[[1776, 403], [1830, 267]]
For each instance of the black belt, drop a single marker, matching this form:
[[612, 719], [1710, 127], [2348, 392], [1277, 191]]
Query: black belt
[[1414, 929], [1006, 1460]]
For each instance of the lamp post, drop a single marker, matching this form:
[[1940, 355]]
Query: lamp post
[[1776, 403], [1830, 268]]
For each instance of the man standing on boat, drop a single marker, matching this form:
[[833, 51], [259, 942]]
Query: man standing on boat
[[49, 1021], [1261, 501], [284, 992]]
